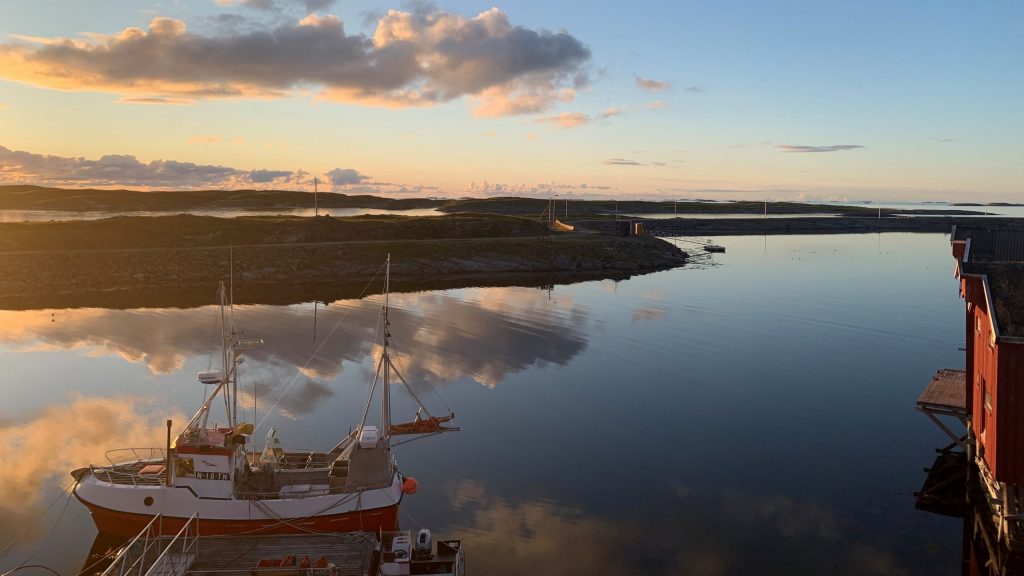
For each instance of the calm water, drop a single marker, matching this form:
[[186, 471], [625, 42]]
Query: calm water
[[751, 413]]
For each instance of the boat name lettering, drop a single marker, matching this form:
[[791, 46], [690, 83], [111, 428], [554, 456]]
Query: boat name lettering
[[213, 476]]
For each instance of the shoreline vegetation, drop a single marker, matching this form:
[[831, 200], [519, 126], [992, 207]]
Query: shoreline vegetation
[[25, 197], [130, 261], [174, 259]]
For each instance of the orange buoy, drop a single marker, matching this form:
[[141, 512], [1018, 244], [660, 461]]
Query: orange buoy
[[409, 486]]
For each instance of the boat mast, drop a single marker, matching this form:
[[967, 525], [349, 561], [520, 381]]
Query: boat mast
[[385, 401]]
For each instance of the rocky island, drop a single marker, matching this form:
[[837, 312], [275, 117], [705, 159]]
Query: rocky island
[[136, 260]]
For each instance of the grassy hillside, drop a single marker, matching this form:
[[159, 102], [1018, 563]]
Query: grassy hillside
[[187, 231]]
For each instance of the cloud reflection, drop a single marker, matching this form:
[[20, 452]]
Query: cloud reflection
[[484, 334], [39, 452], [710, 534]]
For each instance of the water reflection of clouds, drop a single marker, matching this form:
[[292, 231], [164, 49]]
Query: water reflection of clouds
[[40, 451], [748, 534], [494, 332], [537, 537]]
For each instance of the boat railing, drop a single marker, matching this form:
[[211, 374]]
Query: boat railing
[[122, 456], [112, 475]]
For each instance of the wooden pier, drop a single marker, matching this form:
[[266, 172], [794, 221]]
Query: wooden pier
[[306, 554], [946, 395]]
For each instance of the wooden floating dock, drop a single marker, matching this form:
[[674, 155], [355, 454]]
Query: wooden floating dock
[[310, 554]]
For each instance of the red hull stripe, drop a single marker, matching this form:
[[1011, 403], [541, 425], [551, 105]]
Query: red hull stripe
[[126, 524]]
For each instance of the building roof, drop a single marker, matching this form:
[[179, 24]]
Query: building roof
[[1001, 242], [1006, 288]]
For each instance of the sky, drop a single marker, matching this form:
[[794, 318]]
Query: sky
[[724, 99]]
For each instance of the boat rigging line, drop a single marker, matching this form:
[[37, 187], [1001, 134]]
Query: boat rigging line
[[314, 355], [25, 562]]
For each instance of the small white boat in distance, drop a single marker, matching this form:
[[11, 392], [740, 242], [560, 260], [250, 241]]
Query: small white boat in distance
[[709, 247]]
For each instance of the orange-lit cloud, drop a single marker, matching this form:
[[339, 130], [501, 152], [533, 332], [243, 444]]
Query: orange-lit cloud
[[574, 119], [206, 139], [417, 58], [565, 120], [652, 85]]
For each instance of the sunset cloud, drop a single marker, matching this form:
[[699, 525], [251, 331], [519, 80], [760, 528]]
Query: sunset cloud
[[651, 85], [205, 139], [163, 100], [565, 120], [574, 119], [792, 148], [621, 162], [345, 176], [419, 58], [18, 166]]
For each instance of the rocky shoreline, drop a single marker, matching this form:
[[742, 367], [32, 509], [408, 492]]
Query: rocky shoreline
[[112, 277]]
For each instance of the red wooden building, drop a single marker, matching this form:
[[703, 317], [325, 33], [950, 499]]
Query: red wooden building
[[990, 267]]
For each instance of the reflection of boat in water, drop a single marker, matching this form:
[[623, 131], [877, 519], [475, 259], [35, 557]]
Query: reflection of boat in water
[[709, 247], [156, 551], [208, 471]]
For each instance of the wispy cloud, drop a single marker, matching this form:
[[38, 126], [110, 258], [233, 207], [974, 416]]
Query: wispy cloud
[[793, 148], [565, 120], [163, 100], [419, 58], [656, 105], [651, 85], [574, 119], [4, 107], [938, 140], [206, 139], [697, 88], [620, 162]]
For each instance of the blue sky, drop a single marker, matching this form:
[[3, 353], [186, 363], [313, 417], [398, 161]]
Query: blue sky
[[757, 99]]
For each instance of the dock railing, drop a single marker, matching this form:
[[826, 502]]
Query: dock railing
[[151, 553], [180, 553]]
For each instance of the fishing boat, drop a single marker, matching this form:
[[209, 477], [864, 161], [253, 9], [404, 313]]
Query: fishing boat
[[210, 471]]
